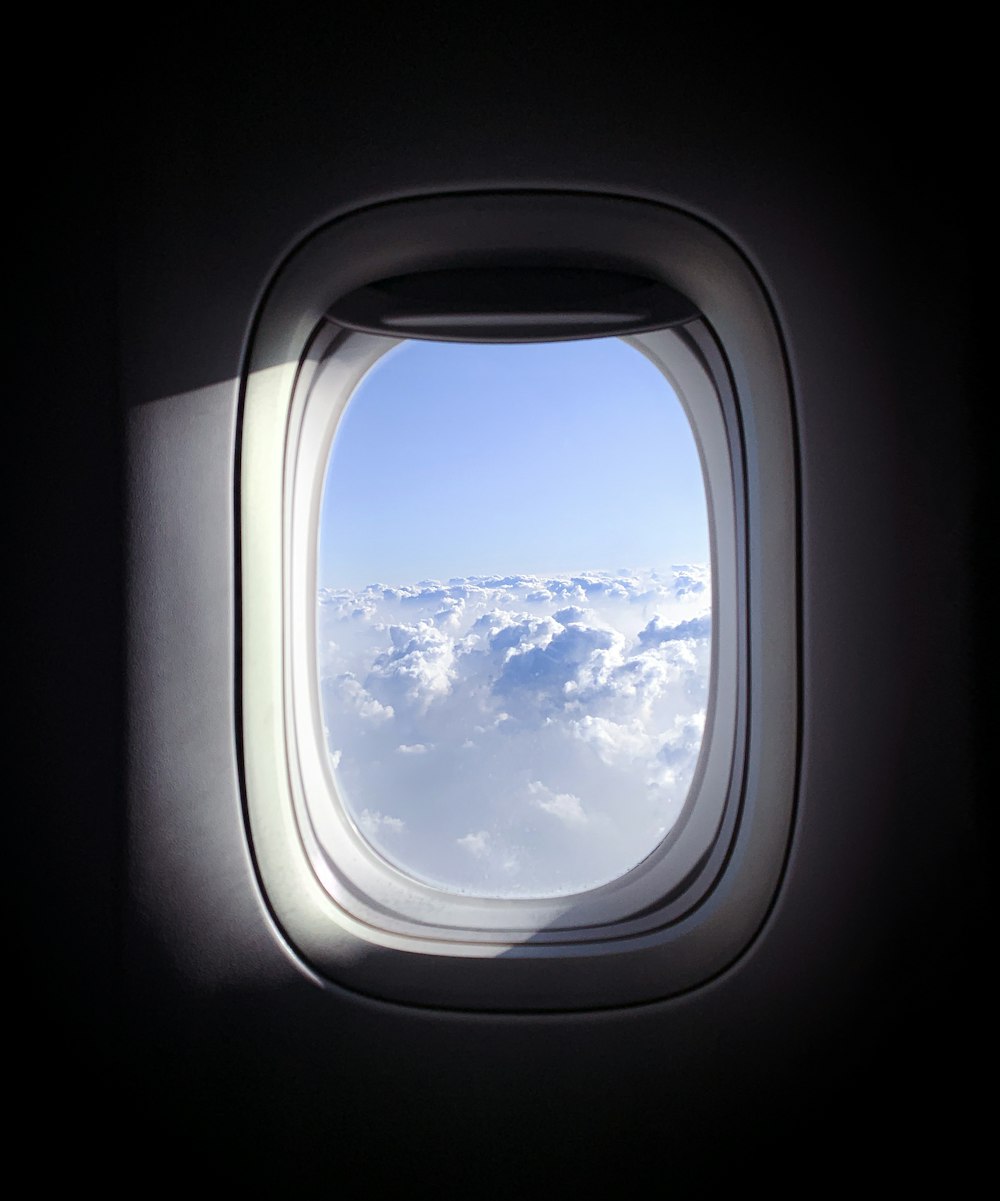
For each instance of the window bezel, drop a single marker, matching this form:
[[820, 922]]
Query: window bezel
[[655, 931], [355, 875]]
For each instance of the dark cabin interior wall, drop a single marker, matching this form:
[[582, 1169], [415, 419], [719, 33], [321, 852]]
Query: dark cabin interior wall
[[166, 192]]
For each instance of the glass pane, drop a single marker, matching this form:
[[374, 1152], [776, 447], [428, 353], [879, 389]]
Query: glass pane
[[514, 613]]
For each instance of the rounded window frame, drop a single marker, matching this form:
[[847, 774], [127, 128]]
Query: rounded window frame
[[356, 876], [695, 903]]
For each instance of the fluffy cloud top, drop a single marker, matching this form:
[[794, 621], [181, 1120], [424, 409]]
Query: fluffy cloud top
[[529, 736]]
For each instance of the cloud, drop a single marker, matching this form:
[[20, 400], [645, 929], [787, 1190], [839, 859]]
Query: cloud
[[684, 740], [377, 823], [450, 613], [417, 667], [657, 631], [570, 613], [475, 844], [693, 579], [615, 742], [549, 672], [517, 735], [562, 805], [353, 695]]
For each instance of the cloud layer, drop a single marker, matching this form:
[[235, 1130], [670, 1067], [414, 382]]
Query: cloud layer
[[516, 735]]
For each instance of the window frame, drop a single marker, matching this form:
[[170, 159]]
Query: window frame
[[351, 870], [672, 922]]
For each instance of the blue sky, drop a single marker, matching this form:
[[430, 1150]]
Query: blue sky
[[458, 460]]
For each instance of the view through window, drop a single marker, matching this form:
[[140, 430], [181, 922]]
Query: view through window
[[514, 613]]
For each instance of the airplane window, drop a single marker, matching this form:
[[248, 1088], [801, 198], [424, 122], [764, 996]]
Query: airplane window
[[514, 613], [517, 602]]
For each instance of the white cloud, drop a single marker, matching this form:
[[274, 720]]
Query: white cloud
[[475, 844], [377, 823], [570, 613], [615, 743], [417, 668], [658, 630], [359, 699], [563, 805], [564, 713]]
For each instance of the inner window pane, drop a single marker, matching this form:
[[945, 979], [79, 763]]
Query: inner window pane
[[514, 613]]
